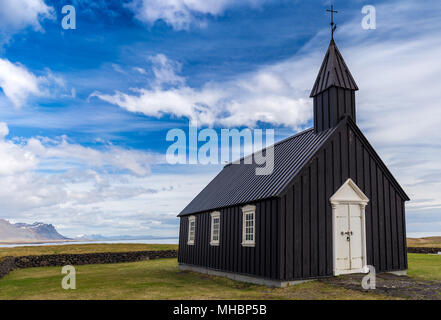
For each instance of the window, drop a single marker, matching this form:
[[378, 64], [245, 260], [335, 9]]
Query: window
[[249, 226], [191, 230], [215, 228]]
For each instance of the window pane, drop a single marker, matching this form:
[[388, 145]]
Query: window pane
[[215, 223], [249, 227], [192, 229]]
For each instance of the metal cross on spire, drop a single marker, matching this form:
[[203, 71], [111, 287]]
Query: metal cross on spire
[[333, 25]]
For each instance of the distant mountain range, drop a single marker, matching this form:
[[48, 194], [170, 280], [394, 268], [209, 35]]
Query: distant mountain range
[[41, 232], [22, 232]]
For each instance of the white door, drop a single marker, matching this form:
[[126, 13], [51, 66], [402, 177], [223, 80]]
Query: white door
[[349, 229], [349, 234], [342, 244], [355, 236]]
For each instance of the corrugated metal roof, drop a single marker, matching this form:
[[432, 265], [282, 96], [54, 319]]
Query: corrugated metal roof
[[239, 184], [333, 72]]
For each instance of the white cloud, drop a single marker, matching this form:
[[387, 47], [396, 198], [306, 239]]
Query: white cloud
[[18, 83], [4, 130], [61, 155], [269, 95], [109, 190], [165, 70], [140, 70], [13, 159], [19, 14], [181, 14], [19, 155]]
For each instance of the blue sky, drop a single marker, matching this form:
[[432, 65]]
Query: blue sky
[[84, 113]]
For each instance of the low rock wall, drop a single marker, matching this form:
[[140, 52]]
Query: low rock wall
[[423, 250], [8, 264]]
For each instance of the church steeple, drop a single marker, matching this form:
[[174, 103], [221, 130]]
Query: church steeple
[[333, 91]]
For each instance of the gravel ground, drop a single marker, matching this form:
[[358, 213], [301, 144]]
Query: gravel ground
[[392, 285]]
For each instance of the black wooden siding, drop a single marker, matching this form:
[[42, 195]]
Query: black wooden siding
[[261, 260], [306, 249], [331, 106]]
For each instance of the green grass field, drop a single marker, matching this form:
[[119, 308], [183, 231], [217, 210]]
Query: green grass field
[[161, 279], [83, 248], [155, 279], [424, 266]]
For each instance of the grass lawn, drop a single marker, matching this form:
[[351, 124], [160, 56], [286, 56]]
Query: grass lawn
[[424, 266], [161, 279], [83, 248], [155, 279]]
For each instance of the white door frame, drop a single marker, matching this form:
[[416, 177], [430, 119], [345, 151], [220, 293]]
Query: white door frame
[[340, 198]]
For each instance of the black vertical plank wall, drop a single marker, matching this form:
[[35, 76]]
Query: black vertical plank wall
[[263, 260]]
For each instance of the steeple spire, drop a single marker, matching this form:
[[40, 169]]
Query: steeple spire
[[334, 72], [333, 91]]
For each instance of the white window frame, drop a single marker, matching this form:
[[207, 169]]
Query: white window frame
[[215, 215], [246, 211], [191, 219]]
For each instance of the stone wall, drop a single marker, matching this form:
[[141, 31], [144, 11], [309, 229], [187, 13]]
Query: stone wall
[[90, 258], [6, 266], [10, 263], [423, 250]]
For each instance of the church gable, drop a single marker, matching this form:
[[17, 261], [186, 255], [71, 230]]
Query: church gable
[[306, 210], [348, 154]]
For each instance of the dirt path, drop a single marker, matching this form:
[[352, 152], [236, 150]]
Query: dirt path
[[391, 285]]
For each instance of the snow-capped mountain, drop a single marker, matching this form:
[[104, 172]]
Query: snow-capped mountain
[[22, 232]]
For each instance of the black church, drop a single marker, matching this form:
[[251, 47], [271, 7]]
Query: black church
[[330, 207]]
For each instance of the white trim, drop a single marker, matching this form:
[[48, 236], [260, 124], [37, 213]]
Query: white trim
[[214, 215], [191, 219], [248, 209], [339, 199], [335, 199]]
